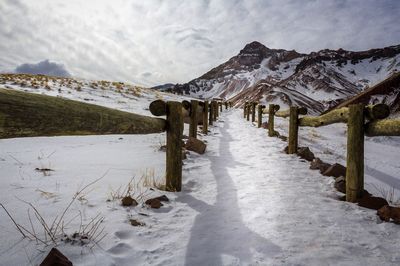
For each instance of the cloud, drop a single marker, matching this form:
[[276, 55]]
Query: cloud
[[45, 67], [180, 40]]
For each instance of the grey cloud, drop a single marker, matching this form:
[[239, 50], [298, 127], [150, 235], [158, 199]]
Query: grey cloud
[[146, 74], [45, 67], [176, 41]]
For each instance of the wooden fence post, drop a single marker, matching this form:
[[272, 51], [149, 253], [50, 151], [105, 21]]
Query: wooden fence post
[[205, 117], [226, 105], [174, 146], [293, 130], [245, 110], [355, 153], [260, 112], [193, 119], [248, 111], [271, 114], [215, 110], [220, 107], [253, 111], [211, 114]]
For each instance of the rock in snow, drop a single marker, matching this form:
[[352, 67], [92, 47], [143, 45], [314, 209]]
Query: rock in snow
[[196, 145], [335, 170], [56, 258]]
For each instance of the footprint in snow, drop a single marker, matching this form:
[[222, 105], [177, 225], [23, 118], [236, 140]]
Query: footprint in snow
[[124, 234], [120, 249]]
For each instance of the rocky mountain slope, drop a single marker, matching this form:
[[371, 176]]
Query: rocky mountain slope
[[318, 80], [387, 92]]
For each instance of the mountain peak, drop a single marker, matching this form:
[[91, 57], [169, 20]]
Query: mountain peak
[[254, 48]]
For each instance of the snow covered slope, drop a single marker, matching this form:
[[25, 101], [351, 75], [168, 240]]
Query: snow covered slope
[[117, 95], [317, 80]]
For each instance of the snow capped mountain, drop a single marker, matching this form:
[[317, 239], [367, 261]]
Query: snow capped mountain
[[317, 80]]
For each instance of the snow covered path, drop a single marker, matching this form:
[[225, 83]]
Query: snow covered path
[[270, 209]]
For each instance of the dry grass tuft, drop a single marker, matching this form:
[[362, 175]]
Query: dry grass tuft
[[49, 232], [387, 193]]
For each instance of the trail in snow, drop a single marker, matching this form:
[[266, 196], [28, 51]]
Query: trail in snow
[[270, 209], [219, 229]]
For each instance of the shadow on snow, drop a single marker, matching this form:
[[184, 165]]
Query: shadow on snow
[[219, 229]]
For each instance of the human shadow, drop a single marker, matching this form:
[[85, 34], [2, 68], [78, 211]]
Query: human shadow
[[219, 229]]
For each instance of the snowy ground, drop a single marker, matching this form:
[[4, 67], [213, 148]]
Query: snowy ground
[[243, 203], [382, 168]]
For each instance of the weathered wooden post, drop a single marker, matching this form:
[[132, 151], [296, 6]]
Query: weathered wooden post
[[220, 107], [271, 113], [253, 111], [260, 112], [205, 117], [211, 114], [215, 110], [174, 146], [248, 111], [193, 119], [355, 153], [245, 110], [226, 105], [293, 130], [173, 111]]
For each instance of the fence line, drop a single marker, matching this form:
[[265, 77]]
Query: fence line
[[355, 116], [208, 112]]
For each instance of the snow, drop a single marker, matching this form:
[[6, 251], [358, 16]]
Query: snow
[[244, 202], [329, 144], [369, 72]]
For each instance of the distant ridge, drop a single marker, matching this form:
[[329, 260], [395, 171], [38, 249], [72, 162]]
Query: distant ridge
[[319, 80]]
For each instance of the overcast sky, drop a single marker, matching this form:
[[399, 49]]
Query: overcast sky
[[150, 42]]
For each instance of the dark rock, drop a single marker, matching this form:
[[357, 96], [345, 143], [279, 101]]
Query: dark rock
[[340, 184], [374, 203], [386, 213], [163, 198], [56, 258], [193, 144], [154, 203], [136, 222], [318, 164], [335, 170], [305, 153], [128, 201]]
